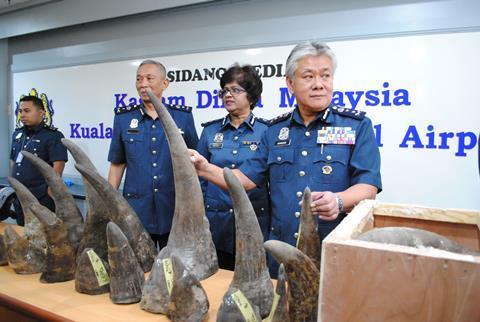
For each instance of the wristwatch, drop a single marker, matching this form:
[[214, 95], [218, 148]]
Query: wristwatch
[[339, 203]]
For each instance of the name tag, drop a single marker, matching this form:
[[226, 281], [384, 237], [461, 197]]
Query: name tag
[[336, 135], [216, 145], [133, 131]]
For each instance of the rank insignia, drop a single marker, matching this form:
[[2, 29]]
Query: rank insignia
[[283, 135], [253, 147], [218, 138], [336, 135], [19, 135], [327, 169], [134, 123]]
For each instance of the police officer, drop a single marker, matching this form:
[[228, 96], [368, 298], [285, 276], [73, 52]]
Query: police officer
[[331, 150], [228, 142], [139, 145], [42, 140]]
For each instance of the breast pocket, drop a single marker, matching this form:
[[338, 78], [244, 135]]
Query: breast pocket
[[280, 164], [132, 144], [331, 166]]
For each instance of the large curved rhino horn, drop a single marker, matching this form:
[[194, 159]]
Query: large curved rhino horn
[[65, 206], [303, 280], [308, 240], [414, 237], [190, 236], [22, 256], [251, 273], [124, 216], [33, 230], [97, 217], [60, 265]]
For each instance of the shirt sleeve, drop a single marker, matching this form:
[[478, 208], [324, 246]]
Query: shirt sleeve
[[191, 136], [56, 150], [365, 159], [202, 148], [256, 168], [12, 153], [116, 153]]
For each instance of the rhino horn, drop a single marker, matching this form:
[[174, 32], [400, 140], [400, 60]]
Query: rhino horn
[[124, 216], [236, 307], [65, 206], [60, 264], [188, 300], [308, 241], [33, 230], [97, 217], [190, 236], [126, 275], [3, 252], [279, 312], [91, 275], [22, 256], [251, 273], [155, 294], [303, 280]]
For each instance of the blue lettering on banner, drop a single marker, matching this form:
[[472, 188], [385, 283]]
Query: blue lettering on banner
[[77, 131], [286, 99], [122, 100]]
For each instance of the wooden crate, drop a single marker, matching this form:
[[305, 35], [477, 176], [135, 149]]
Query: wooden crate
[[365, 281]]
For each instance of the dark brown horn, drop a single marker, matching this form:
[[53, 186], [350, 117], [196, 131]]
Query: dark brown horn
[[279, 312], [308, 241], [65, 207], [229, 309], [60, 265], [92, 273], [188, 300], [3, 252], [124, 216], [303, 280], [126, 275], [251, 273], [190, 236], [97, 215], [22, 256]]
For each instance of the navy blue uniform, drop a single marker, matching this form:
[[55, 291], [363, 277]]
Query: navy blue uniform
[[336, 151], [44, 142], [226, 146], [140, 142]]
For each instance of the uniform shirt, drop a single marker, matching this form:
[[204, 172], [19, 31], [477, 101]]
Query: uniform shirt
[[226, 146], [140, 142], [43, 141], [292, 156]]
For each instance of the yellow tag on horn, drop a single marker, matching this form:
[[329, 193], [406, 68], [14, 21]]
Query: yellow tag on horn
[[168, 272], [276, 298], [245, 307], [98, 268]]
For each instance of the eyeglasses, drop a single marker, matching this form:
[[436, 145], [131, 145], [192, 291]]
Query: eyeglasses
[[233, 91]]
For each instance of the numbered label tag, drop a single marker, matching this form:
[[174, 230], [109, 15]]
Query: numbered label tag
[[168, 272], [98, 268], [276, 298], [245, 307]]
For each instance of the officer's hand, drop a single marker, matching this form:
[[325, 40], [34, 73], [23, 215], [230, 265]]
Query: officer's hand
[[198, 160], [324, 205]]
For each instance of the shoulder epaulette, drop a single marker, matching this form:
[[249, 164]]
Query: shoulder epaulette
[[182, 108], [262, 120], [280, 118], [126, 109], [356, 114], [19, 128], [212, 121], [50, 127]]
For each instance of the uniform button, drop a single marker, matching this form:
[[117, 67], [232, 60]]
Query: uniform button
[[154, 164], [155, 190], [279, 158], [155, 177], [24, 146], [299, 194], [232, 166], [153, 126], [307, 133], [28, 137], [235, 138], [262, 209], [18, 173], [301, 173], [154, 139], [230, 210], [297, 214], [128, 195], [329, 157], [295, 235], [234, 151], [34, 149], [304, 153], [154, 152], [272, 229], [131, 140]]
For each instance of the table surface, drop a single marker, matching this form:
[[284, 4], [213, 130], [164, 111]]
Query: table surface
[[63, 300]]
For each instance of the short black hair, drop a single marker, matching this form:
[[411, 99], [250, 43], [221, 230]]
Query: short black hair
[[247, 77], [35, 100]]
